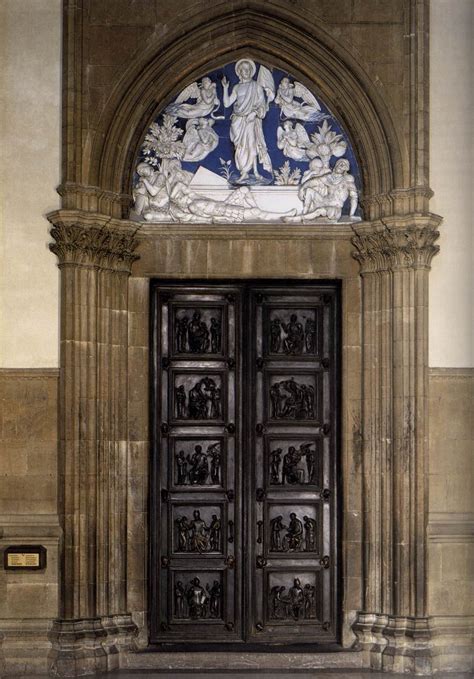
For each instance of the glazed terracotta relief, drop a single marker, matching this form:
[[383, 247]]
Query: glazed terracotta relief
[[246, 143]]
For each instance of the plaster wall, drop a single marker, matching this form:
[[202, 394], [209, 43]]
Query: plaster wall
[[451, 178], [30, 108]]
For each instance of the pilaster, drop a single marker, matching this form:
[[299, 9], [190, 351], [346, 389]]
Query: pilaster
[[95, 257], [395, 257]]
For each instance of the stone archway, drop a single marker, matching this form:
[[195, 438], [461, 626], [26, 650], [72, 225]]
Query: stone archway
[[105, 270]]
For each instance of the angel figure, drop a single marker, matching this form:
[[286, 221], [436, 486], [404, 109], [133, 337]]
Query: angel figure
[[308, 109], [250, 99], [293, 140], [200, 139], [207, 101]]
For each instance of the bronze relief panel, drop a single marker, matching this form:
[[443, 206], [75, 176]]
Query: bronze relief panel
[[198, 395], [293, 462], [245, 519], [198, 462], [293, 529], [198, 330], [198, 528], [198, 596], [292, 332], [293, 597], [292, 396]]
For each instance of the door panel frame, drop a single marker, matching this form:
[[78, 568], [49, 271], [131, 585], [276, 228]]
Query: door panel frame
[[247, 355]]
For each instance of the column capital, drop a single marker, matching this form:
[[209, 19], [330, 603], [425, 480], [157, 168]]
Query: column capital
[[94, 240], [393, 243]]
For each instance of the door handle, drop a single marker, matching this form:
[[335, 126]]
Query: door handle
[[231, 531], [259, 532]]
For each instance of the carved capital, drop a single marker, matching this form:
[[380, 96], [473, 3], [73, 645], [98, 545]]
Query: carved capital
[[407, 242], [95, 243]]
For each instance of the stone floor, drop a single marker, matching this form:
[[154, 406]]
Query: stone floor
[[316, 674]]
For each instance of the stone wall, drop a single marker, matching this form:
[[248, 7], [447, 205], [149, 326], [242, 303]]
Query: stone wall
[[451, 516], [28, 512]]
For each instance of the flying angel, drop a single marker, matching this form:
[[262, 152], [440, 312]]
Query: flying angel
[[207, 102], [293, 140], [308, 109]]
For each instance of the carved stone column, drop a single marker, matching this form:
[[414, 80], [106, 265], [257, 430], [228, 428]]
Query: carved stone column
[[395, 258], [95, 258]]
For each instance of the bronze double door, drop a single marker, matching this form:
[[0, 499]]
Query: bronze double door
[[244, 474]]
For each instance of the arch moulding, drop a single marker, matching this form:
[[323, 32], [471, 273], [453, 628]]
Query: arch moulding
[[106, 264]]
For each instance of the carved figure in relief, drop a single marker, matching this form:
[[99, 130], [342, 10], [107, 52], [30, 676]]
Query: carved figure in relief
[[291, 473], [215, 455], [199, 139], [207, 101], [204, 398], [199, 467], [199, 541], [275, 335], [215, 533], [215, 597], [298, 603], [198, 334], [310, 527], [182, 334], [294, 537], [324, 192], [179, 594], [183, 531], [215, 403], [296, 599], [190, 207], [275, 461], [182, 468], [293, 342], [291, 400], [310, 456], [215, 336], [306, 109], [250, 99], [293, 141], [198, 599], [150, 191], [276, 399], [309, 593], [310, 336], [276, 527], [180, 402], [279, 603]]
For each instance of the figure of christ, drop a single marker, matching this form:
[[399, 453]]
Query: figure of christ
[[250, 107]]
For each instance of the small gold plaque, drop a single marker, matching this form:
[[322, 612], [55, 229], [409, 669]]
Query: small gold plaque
[[25, 557], [23, 560]]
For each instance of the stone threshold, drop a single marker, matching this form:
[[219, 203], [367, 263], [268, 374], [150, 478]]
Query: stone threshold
[[254, 661]]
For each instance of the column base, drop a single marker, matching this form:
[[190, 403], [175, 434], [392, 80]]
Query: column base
[[420, 646], [90, 645]]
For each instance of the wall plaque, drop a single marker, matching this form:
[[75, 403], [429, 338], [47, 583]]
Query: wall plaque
[[25, 557]]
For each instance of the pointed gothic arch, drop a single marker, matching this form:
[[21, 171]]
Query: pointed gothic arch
[[282, 41]]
